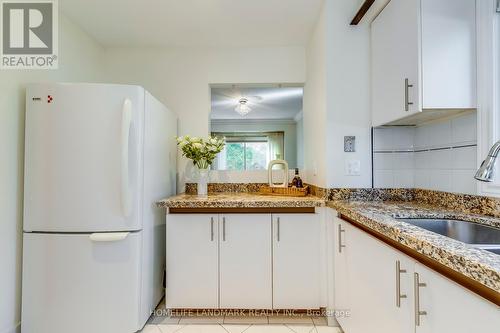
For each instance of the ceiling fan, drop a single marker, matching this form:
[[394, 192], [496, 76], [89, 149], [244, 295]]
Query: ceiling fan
[[240, 101]]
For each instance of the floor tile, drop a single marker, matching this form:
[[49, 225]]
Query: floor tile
[[149, 328], [170, 328], [268, 329], [245, 320], [326, 329], [164, 320], [320, 321], [296, 319], [201, 320], [235, 328], [202, 329], [302, 328]]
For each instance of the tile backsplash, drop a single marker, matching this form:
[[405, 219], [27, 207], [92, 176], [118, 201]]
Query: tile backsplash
[[437, 156]]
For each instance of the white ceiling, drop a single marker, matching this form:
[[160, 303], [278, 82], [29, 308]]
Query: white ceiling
[[195, 22], [266, 102]]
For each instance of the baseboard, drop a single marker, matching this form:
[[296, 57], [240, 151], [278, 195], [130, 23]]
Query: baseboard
[[14, 329], [330, 318]]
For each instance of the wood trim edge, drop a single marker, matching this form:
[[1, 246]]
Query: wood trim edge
[[242, 210], [362, 11], [465, 281]]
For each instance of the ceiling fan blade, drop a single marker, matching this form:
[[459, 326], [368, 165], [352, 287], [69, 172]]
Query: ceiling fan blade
[[284, 93], [254, 99], [223, 103]]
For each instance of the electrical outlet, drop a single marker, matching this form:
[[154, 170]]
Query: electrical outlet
[[349, 144]]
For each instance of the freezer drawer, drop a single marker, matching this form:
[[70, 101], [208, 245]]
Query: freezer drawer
[[81, 283]]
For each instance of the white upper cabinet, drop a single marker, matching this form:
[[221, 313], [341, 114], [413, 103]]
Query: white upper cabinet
[[423, 58], [395, 61], [296, 261]]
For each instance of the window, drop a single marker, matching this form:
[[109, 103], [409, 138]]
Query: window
[[249, 151], [488, 36]]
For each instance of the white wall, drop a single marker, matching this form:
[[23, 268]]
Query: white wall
[[289, 127], [438, 156], [337, 97], [314, 106], [300, 141], [348, 94], [79, 60], [180, 78]]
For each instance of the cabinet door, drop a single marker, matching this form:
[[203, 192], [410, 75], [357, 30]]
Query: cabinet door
[[395, 58], [374, 285], [451, 308], [192, 265], [245, 261], [341, 297], [449, 68], [296, 261]]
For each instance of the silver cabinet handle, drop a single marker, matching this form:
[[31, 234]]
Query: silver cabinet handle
[[407, 98], [278, 229], [399, 296], [212, 229], [223, 229], [417, 285], [340, 238]]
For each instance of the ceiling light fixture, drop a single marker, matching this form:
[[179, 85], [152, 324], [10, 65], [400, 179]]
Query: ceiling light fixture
[[242, 108]]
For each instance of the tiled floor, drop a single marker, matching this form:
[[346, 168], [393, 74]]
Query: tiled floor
[[235, 328], [164, 322]]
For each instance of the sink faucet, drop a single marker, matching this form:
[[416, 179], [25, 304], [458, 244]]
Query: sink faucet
[[485, 173]]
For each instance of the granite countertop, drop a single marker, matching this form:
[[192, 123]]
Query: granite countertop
[[239, 200], [477, 264]]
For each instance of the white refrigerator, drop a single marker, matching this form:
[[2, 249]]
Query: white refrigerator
[[97, 158]]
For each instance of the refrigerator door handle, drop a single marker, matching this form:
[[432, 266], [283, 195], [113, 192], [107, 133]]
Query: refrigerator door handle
[[125, 186], [108, 236]]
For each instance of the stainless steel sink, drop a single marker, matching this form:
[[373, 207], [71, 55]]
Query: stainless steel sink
[[477, 235]]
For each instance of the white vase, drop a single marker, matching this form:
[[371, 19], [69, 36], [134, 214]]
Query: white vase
[[203, 182]]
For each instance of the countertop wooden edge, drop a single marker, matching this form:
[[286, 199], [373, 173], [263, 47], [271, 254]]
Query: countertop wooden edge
[[465, 281], [241, 210]]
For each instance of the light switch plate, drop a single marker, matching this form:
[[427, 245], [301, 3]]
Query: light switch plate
[[353, 168], [349, 144]]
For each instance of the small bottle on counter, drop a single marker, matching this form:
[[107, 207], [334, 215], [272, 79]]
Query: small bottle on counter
[[297, 182]]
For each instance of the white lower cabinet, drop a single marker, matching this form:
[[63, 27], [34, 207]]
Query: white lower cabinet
[[385, 290], [192, 261], [448, 307], [377, 276], [296, 261], [342, 303], [245, 261]]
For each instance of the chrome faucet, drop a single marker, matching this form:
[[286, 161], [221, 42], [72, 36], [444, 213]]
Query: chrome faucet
[[485, 173]]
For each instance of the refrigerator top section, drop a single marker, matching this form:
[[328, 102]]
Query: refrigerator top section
[[81, 85], [83, 157]]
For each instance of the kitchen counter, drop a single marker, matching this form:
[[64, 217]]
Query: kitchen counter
[[240, 200], [476, 264]]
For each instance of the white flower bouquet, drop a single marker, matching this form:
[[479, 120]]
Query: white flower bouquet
[[201, 151]]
